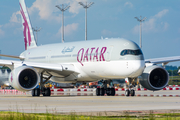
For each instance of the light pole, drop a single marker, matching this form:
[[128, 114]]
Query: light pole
[[141, 20], [86, 6], [62, 10], [36, 30]]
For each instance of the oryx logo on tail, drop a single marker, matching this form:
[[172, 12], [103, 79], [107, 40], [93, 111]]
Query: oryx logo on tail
[[27, 30]]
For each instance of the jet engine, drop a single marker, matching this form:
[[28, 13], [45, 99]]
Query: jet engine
[[154, 78], [24, 78]]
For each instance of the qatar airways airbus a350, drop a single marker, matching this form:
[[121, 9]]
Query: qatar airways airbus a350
[[83, 61]]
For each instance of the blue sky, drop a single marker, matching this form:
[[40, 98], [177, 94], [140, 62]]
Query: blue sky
[[106, 18]]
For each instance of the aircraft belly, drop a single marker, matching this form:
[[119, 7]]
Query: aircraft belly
[[109, 70]]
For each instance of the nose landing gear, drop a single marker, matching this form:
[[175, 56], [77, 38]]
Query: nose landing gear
[[130, 91]]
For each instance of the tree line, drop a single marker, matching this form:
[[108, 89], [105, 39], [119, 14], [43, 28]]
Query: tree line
[[172, 71]]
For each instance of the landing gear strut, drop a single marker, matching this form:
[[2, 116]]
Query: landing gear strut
[[110, 91], [130, 91], [42, 90]]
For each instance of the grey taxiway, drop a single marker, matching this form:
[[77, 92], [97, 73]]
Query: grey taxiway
[[88, 104]]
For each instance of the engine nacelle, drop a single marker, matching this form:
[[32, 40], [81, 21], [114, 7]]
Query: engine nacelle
[[24, 78], [154, 78]]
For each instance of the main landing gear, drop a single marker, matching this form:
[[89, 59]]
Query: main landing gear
[[42, 90], [110, 91]]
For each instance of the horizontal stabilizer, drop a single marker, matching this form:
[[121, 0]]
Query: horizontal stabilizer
[[11, 56]]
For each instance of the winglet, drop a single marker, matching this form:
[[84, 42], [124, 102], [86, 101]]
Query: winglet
[[27, 29]]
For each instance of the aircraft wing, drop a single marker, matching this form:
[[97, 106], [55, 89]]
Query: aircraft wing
[[59, 70], [8, 63], [164, 60]]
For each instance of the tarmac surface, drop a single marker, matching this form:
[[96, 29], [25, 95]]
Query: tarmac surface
[[91, 105]]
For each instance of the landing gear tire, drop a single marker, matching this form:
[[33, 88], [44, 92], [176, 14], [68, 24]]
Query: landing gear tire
[[127, 93], [108, 92], [132, 92], [46, 92], [36, 92], [33, 92], [112, 91], [97, 91], [102, 92]]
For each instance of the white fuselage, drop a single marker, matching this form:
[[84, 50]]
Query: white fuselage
[[93, 60], [4, 78]]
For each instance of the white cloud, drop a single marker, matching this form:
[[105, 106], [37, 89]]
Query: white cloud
[[161, 13], [68, 30], [48, 11], [75, 7], [45, 9], [129, 4], [153, 24], [166, 25], [15, 18]]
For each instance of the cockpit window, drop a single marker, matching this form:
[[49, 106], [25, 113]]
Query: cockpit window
[[131, 52]]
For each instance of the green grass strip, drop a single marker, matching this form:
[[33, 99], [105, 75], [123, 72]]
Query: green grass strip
[[73, 116]]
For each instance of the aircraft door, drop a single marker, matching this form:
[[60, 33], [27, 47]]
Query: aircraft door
[[109, 53]]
